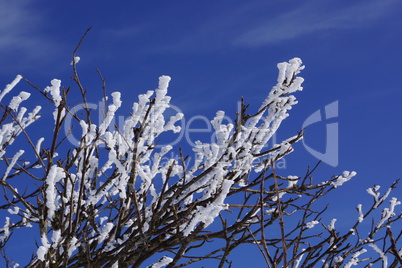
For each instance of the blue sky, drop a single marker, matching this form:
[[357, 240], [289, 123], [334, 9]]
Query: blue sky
[[218, 51]]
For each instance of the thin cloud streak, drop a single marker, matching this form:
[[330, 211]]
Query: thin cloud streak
[[233, 27], [17, 25], [313, 17], [22, 40]]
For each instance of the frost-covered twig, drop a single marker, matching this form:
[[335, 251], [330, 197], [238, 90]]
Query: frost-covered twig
[[112, 200]]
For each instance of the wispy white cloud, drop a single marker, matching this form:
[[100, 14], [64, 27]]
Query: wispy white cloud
[[259, 23], [22, 39], [313, 17], [17, 24]]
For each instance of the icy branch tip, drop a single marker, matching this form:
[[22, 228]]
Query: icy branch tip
[[346, 176], [287, 70], [164, 81], [76, 60], [9, 87]]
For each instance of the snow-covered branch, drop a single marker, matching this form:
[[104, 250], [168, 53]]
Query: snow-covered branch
[[114, 201]]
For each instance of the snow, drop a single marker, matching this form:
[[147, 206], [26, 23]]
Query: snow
[[112, 108], [16, 100], [338, 259], [56, 238], [344, 178], [14, 211], [161, 91], [103, 219], [54, 90], [10, 131], [298, 260], [38, 146], [381, 253], [75, 60], [162, 262], [116, 99], [374, 191], [387, 213], [132, 153], [385, 196], [359, 209], [5, 230], [21, 114], [41, 252], [12, 163], [73, 246], [211, 211], [355, 260], [331, 226], [311, 224], [55, 174], [170, 125], [10, 86], [105, 232]]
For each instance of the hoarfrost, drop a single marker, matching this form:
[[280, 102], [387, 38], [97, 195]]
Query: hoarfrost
[[311, 224], [361, 216], [5, 230], [54, 90], [381, 253], [162, 262], [16, 101], [331, 226], [355, 259], [105, 232], [75, 60], [10, 86], [12, 163], [42, 250], [344, 178]]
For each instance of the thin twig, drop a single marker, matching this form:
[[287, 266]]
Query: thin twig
[[280, 212]]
